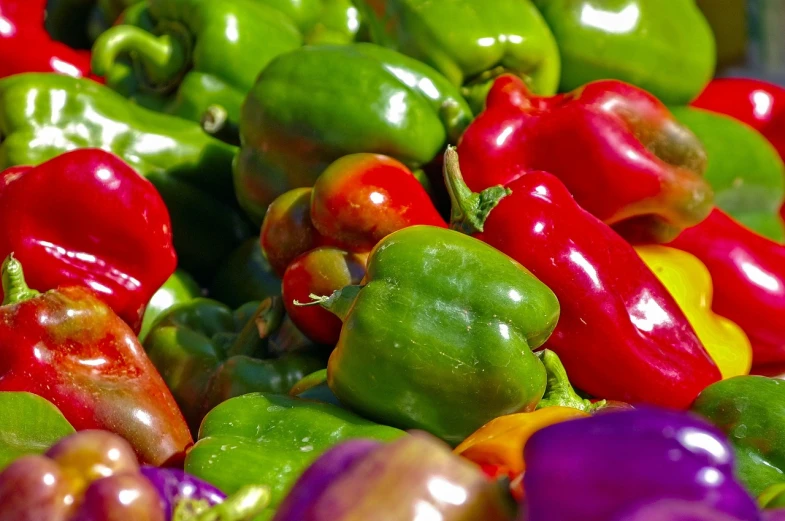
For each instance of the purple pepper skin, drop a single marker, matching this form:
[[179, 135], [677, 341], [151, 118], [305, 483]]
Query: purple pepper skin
[[774, 515], [674, 510], [175, 486], [596, 468], [415, 477]]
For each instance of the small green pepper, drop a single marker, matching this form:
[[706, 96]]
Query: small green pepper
[[245, 275], [180, 287]]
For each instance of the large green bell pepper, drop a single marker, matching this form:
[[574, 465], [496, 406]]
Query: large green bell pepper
[[178, 288], [271, 439], [207, 353], [313, 105], [665, 46], [744, 169], [245, 275], [751, 412], [44, 115], [448, 324], [472, 42]]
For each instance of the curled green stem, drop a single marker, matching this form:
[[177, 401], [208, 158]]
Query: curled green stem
[[15, 289]]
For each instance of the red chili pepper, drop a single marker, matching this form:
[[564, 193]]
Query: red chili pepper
[[86, 218], [749, 275], [757, 103], [25, 46], [618, 150], [69, 347], [620, 334]]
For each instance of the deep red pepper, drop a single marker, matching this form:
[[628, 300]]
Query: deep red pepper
[[749, 280], [620, 334], [25, 46], [757, 103], [616, 147], [86, 218], [69, 347]]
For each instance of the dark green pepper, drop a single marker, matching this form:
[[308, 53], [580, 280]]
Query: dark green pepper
[[178, 288], [448, 325], [314, 387], [207, 353], [313, 105], [750, 410], [79, 22], [245, 275], [744, 170], [44, 115], [481, 41], [271, 439]]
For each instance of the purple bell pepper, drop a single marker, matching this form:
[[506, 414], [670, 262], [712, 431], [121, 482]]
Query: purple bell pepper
[[597, 468], [674, 510], [176, 487]]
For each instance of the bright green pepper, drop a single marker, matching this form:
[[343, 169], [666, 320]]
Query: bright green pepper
[[245, 275], [751, 412], [448, 324], [479, 41], [271, 439], [44, 115], [313, 105], [744, 169], [180, 287], [207, 353], [664, 46]]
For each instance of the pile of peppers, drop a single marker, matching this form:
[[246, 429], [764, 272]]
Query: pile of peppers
[[400, 260]]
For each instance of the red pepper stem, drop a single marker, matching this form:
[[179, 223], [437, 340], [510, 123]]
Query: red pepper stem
[[339, 303], [266, 319], [15, 288], [558, 390], [469, 209], [163, 58], [243, 505]]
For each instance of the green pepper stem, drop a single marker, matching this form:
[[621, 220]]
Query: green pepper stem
[[266, 319], [215, 121], [245, 504], [163, 58], [469, 209], [558, 390], [15, 288], [339, 303]]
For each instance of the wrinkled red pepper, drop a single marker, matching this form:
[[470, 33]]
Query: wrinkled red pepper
[[620, 334], [86, 218], [757, 103], [617, 148], [69, 347], [25, 46], [749, 275]]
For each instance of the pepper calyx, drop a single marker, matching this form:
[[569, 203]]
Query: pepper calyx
[[14, 286], [559, 391], [339, 303]]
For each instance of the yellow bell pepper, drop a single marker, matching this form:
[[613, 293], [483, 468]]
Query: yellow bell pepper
[[690, 284]]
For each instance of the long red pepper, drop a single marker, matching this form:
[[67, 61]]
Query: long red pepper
[[620, 333]]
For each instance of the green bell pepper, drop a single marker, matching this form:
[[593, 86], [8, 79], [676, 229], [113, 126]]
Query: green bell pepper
[[180, 287], [207, 353], [313, 105], [744, 169], [44, 115], [314, 387], [245, 275], [479, 41], [665, 46], [448, 325], [78, 23], [271, 439], [750, 410]]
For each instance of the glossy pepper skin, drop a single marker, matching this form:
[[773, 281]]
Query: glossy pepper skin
[[70, 348], [479, 43], [621, 335], [633, 41], [357, 480], [750, 279], [207, 353], [642, 455], [180, 287], [690, 284], [748, 178], [750, 411], [45, 115], [462, 369], [25, 45], [272, 439], [85, 218], [618, 150], [316, 104]]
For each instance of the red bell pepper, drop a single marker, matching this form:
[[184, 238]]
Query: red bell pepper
[[749, 275], [69, 347], [618, 150], [25, 46], [87, 218], [757, 103], [620, 334]]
